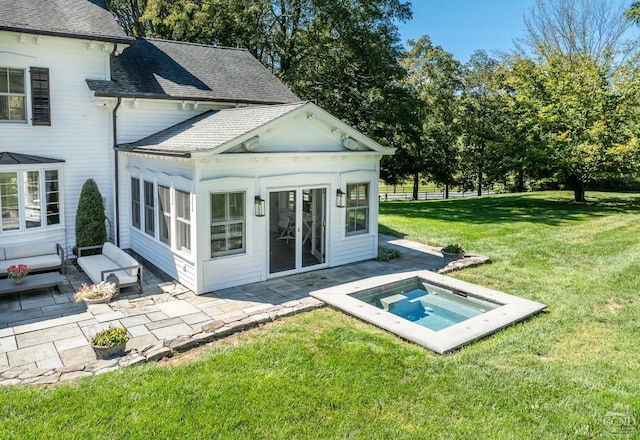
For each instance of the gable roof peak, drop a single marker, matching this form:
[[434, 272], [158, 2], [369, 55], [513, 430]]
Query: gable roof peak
[[188, 43], [220, 131]]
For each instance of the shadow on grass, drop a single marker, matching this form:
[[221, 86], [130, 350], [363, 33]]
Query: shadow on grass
[[551, 208]]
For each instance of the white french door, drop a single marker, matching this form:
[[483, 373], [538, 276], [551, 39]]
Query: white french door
[[297, 229]]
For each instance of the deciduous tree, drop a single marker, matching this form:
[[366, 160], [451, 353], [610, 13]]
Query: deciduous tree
[[433, 78]]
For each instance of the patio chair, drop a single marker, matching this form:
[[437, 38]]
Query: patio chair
[[287, 224]]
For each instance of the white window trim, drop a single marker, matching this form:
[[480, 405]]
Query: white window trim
[[24, 62], [27, 98], [139, 200], [162, 212], [41, 168], [174, 183], [368, 210], [175, 219], [245, 222]]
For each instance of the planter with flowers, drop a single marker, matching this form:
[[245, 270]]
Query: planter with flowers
[[95, 293], [110, 342], [18, 272]]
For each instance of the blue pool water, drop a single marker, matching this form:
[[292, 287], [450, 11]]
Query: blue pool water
[[428, 305]]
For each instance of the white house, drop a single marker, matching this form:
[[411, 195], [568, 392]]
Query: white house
[[211, 169]]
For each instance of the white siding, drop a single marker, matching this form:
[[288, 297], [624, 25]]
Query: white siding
[[258, 175], [80, 132], [143, 117], [162, 257], [254, 175], [171, 173]]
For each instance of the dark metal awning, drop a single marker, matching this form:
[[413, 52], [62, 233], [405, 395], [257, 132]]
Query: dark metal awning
[[7, 158]]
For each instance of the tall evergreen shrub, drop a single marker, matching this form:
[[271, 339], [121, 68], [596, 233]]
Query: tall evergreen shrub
[[91, 229]]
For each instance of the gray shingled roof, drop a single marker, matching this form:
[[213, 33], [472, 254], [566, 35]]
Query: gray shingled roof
[[209, 130], [174, 70], [88, 19]]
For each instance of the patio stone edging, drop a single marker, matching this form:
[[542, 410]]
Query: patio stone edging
[[469, 260], [207, 334]]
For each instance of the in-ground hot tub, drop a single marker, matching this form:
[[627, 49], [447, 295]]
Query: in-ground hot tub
[[433, 310]]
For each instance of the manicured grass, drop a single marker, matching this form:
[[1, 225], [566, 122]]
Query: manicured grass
[[573, 372]]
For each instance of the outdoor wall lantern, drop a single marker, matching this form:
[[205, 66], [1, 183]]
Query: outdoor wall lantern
[[340, 198], [259, 207]]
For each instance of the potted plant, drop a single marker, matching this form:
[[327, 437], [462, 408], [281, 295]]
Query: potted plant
[[95, 293], [109, 342], [17, 272], [452, 252]]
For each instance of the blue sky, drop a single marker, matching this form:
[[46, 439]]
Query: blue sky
[[463, 26]]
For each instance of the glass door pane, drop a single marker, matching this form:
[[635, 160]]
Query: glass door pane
[[314, 226], [282, 231]]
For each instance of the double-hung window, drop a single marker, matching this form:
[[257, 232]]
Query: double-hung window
[[357, 208], [183, 221], [135, 202], [14, 95], [164, 213], [169, 206], [228, 223], [149, 209], [29, 199]]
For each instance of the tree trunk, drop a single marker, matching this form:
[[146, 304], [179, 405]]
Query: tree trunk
[[416, 184], [446, 191], [579, 192], [520, 184], [479, 181]]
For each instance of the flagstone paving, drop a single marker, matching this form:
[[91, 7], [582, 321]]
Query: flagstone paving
[[44, 335]]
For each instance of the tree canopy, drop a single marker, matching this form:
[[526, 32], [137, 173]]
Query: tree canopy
[[562, 107]]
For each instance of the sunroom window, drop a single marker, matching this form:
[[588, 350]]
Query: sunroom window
[[357, 208], [29, 199], [164, 213], [149, 209], [170, 207], [227, 223], [183, 221]]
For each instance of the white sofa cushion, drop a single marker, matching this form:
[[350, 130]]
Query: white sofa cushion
[[93, 266], [16, 252], [126, 260], [111, 251], [35, 263]]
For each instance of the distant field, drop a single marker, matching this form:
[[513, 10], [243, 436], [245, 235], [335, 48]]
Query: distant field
[[572, 372]]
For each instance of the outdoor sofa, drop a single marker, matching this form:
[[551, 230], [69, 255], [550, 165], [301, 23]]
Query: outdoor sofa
[[113, 265], [40, 257]]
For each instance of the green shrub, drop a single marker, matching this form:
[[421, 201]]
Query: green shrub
[[110, 337], [386, 254], [91, 229], [453, 249]]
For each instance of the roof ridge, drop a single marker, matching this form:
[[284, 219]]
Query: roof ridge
[[256, 107], [211, 46]]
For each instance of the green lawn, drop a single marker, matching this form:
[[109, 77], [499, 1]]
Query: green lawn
[[573, 372]]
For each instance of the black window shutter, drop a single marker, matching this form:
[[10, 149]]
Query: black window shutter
[[40, 96]]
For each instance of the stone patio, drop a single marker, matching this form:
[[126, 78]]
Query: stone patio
[[44, 335]]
